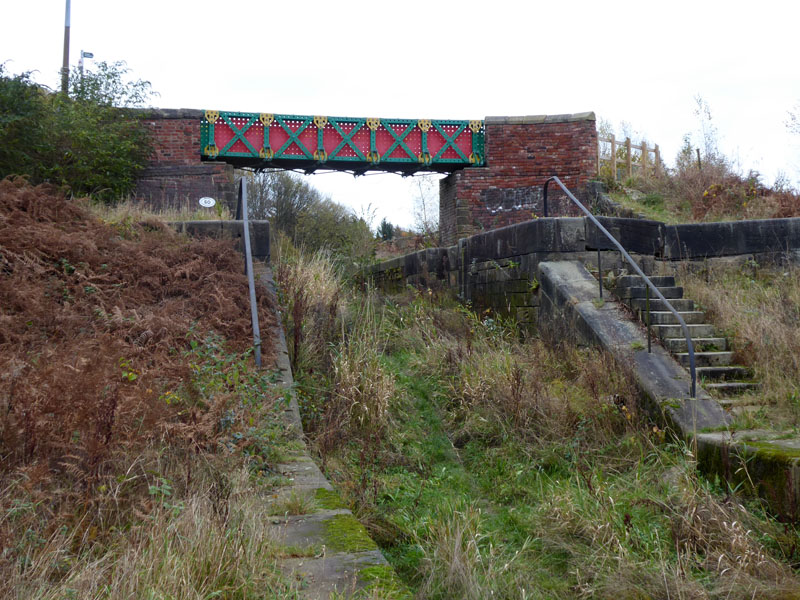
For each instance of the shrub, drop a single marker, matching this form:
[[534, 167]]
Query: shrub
[[87, 141]]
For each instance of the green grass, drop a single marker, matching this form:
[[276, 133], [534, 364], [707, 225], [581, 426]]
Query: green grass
[[495, 467], [513, 469], [652, 206]]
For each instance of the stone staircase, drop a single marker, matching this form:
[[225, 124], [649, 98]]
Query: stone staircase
[[713, 353]]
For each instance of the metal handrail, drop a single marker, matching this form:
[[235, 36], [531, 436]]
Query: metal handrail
[[248, 260], [638, 271]]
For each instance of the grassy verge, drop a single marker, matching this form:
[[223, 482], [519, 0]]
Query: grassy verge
[[716, 191], [495, 467]]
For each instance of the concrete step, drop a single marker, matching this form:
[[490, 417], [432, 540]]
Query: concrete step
[[658, 317], [679, 304], [731, 388], [675, 331], [747, 401], [719, 373], [711, 344], [706, 359], [639, 292], [636, 280]]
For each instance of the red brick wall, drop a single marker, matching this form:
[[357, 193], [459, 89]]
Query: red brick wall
[[176, 175], [175, 136], [521, 154]]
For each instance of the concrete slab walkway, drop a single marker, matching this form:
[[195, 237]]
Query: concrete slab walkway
[[328, 552]]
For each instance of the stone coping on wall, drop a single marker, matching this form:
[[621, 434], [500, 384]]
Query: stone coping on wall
[[539, 119], [777, 237], [171, 113], [338, 557]]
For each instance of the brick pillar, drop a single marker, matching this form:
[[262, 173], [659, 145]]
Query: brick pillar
[[175, 174], [521, 154]]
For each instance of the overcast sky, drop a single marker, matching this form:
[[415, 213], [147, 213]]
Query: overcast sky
[[642, 63]]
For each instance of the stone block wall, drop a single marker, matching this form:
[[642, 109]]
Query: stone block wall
[[498, 269], [175, 175], [521, 154], [259, 234]]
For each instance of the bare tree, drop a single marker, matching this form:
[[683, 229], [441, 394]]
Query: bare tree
[[281, 197], [426, 205]]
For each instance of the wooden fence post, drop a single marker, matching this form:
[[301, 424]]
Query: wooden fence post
[[598, 155], [644, 159], [613, 158], [658, 161], [628, 163]]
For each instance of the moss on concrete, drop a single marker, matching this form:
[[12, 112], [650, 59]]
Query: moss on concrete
[[775, 451], [756, 467], [343, 533], [383, 579], [328, 499]]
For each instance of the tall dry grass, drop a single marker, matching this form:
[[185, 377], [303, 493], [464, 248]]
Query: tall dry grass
[[715, 191], [336, 341], [630, 515], [758, 308], [311, 295], [199, 544], [137, 211]]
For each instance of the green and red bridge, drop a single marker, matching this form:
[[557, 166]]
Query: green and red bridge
[[495, 166], [405, 146]]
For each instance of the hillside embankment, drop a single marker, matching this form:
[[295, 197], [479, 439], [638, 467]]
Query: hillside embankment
[[101, 313], [134, 431]]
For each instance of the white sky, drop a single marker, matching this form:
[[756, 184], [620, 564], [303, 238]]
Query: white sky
[[639, 62]]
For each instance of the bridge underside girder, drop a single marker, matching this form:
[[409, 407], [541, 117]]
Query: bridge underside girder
[[406, 146]]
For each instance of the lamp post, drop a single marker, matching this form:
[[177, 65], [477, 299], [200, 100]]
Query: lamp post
[[65, 64]]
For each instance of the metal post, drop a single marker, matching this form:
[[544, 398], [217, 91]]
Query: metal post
[[600, 272], [249, 268], [647, 311], [544, 198], [65, 63]]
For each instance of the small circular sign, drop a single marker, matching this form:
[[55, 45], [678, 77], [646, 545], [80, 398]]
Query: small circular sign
[[207, 202]]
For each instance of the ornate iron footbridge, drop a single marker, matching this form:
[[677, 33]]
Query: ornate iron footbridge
[[308, 143]]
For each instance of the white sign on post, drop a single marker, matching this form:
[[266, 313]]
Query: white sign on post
[[207, 202]]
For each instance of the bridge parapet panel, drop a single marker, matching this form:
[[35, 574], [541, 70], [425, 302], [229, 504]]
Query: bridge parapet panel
[[341, 143]]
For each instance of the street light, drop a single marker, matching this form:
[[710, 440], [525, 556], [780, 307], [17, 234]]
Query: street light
[[65, 64]]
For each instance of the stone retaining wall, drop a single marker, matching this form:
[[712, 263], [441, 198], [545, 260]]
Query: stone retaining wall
[[259, 233], [497, 269]]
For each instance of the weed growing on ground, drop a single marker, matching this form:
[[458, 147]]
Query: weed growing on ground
[[524, 469], [717, 192]]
